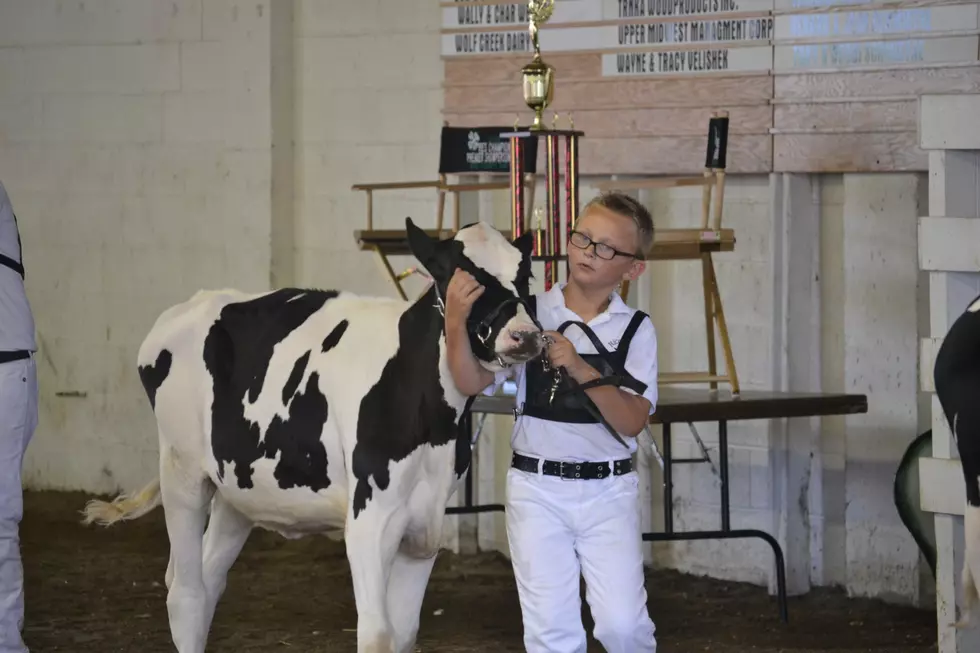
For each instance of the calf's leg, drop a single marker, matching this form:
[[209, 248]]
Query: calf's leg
[[410, 571], [971, 564], [372, 541], [965, 426], [168, 577], [185, 497], [227, 532], [407, 581]]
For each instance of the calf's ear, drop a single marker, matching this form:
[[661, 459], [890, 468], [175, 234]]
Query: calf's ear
[[434, 255], [419, 242], [525, 243]]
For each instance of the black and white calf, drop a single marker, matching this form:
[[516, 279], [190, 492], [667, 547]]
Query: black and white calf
[[957, 380], [312, 411]]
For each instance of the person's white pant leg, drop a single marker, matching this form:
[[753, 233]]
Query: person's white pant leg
[[610, 551], [542, 549], [18, 419]]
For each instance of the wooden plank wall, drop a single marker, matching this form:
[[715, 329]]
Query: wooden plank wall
[[652, 126], [831, 114], [840, 94]]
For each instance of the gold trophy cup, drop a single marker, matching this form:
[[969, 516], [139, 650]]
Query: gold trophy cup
[[539, 77]]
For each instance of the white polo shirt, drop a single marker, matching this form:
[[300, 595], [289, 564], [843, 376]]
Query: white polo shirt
[[16, 321], [541, 438]]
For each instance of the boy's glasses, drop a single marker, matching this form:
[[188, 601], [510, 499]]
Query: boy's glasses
[[602, 250]]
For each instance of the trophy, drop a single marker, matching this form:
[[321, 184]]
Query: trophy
[[539, 89], [539, 77]]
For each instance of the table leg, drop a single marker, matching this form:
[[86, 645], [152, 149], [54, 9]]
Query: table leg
[[726, 532], [668, 482], [737, 535], [723, 463], [466, 430]]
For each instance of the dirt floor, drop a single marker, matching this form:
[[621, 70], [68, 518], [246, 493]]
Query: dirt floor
[[96, 589]]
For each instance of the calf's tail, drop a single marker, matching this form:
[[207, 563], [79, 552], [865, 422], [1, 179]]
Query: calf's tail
[[131, 505]]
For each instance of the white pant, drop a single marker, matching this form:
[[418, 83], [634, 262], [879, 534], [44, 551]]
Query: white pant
[[558, 529], [18, 418]]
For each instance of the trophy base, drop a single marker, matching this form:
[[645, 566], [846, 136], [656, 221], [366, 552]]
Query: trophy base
[[538, 127]]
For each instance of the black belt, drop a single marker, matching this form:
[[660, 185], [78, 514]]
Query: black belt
[[571, 470], [11, 356], [13, 265]]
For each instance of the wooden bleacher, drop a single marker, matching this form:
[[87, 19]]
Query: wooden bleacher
[[452, 161], [668, 244]]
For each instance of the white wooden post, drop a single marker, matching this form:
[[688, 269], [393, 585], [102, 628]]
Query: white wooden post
[[796, 366], [949, 249]]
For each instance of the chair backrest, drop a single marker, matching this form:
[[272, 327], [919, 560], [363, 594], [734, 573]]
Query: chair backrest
[[471, 150], [717, 154]]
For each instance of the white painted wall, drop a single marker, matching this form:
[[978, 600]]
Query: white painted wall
[[368, 101], [677, 309], [870, 311], [152, 149], [135, 145], [880, 359]]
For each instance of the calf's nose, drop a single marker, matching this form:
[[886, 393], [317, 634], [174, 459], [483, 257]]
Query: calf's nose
[[523, 335], [528, 339]]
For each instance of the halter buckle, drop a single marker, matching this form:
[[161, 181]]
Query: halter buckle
[[479, 333]]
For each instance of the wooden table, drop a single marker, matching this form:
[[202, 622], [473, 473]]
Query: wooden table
[[701, 405]]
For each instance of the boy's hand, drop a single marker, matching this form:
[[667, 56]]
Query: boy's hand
[[561, 353], [462, 292]]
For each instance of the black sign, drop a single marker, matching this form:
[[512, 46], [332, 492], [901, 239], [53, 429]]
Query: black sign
[[482, 149], [717, 154]]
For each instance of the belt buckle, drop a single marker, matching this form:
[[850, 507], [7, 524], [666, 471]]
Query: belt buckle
[[572, 477]]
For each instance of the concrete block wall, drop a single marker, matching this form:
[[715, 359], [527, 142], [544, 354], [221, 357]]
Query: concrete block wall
[[368, 101], [134, 142], [827, 501], [871, 308], [677, 309], [881, 306], [155, 149]]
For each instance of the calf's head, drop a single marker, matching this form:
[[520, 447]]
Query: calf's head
[[501, 328]]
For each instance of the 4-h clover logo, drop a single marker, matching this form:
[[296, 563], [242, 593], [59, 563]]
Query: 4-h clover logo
[[474, 140]]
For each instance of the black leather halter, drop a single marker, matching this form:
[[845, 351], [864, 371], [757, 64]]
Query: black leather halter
[[479, 331]]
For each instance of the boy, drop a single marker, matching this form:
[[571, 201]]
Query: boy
[[583, 516]]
